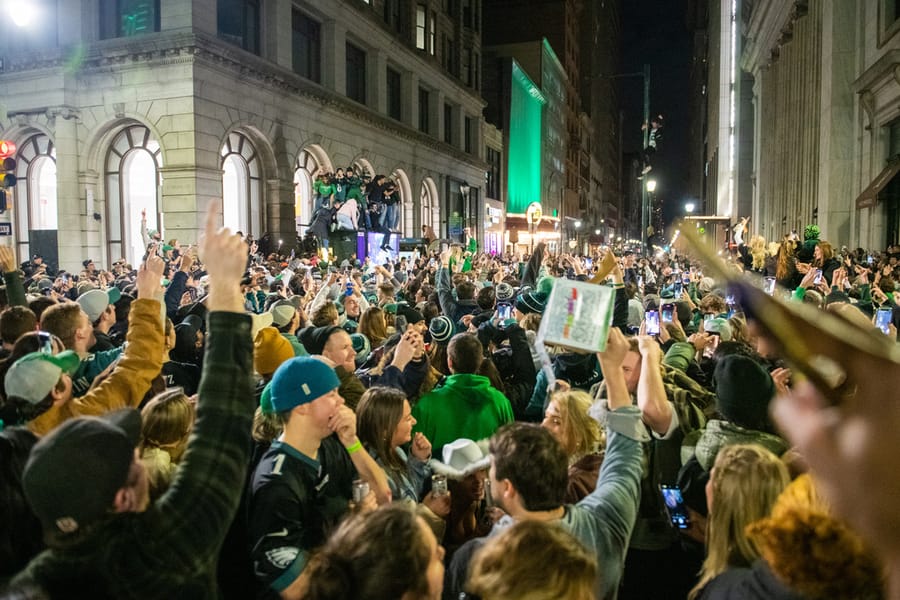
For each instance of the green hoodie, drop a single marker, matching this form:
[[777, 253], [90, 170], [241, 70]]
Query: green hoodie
[[467, 406]]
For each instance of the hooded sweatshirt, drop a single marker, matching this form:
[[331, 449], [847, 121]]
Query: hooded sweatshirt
[[467, 406]]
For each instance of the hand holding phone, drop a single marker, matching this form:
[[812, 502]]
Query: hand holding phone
[[651, 319], [675, 507]]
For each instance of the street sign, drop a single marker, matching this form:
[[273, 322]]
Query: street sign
[[5, 228], [534, 213]]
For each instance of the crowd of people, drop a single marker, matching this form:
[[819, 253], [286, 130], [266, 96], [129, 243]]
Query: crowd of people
[[347, 200], [226, 422]]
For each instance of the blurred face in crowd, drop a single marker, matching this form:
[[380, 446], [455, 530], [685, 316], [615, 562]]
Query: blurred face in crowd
[[136, 496], [85, 331], [403, 431], [435, 571], [631, 366], [351, 307], [470, 488], [339, 349], [553, 423], [321, 410]]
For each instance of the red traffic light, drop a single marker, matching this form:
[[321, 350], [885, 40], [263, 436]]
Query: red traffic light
[[7, 148]]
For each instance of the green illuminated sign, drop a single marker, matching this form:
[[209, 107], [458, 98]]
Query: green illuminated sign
[[138, 16], [524, 167]]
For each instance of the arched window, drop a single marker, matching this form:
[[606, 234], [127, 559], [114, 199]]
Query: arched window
[[240, 185], [404, 219], [132, 186], [36, 206], [429, 207], [425, 214], [310, 162]]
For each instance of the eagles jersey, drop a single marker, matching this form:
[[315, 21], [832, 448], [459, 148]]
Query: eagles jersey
[[295, 503]]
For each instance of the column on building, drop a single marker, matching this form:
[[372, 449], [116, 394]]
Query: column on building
[[376, 80], [278, 30], [78, 233], [334, 56]]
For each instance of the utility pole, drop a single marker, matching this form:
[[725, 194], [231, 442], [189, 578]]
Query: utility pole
[[645, 194]]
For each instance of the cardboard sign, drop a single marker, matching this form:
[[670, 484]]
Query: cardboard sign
[[578, 315]]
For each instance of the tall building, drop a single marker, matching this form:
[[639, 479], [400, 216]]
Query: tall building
[[513, 21], [525, 87], [119, 107], [824, 114]]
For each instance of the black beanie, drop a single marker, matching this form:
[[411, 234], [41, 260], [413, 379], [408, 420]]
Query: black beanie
[[743, 391], [315, 338]]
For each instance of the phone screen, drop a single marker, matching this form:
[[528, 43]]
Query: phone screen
[[675, 508], [652, 320], [818, 278], [770, 285], [710, 349], [676, 288], [668, 313], [883, 320], [504, 311], [400, 323]]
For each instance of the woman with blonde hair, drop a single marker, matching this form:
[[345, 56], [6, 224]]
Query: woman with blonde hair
[[372, 324], [567, 419], [167, 421], [805, 553], [533, 560], [744, 483]]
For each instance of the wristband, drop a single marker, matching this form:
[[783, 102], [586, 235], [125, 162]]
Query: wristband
[[355, 447]]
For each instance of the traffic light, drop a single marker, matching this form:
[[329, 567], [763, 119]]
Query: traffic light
[[7, 170]]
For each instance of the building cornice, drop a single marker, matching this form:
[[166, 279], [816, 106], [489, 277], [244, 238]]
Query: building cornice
[[882, 71], [771, 26], [168, 48]]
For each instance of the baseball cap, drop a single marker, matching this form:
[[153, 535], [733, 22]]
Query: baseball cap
[[94, 302], [72, 475], [283, 312], [33, 376], [301, 380]]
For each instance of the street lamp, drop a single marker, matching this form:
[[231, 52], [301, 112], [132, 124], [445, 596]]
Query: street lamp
[[21, 13], [464, 192], [651, 185], [689, 207]]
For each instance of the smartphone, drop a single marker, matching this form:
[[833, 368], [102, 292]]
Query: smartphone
[[504, 312], [675, 507], [640, 281], [870, 260], [883, 319], [668, 313], [770, 286], [400, 323], [818, 278], [710, 349], [651, 318], [676, 288], [588, 263], [731, 305]]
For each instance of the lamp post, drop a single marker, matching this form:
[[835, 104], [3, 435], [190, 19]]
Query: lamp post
[[689, 207], [464, 190]]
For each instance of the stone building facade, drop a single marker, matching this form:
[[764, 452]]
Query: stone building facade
[[180, 101], [826, 103]]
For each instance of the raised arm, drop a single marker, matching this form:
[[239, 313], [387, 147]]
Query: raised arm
[[206, 490], [15, 288], [141, 358]]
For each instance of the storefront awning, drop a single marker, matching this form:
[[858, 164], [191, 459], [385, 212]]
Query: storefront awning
[[869, 196]]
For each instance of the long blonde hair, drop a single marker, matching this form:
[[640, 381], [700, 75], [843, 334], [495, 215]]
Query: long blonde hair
[[758, 252], [581, 431], [746, 481]]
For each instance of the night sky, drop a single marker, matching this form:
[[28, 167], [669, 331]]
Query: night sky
[[654, 32]]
